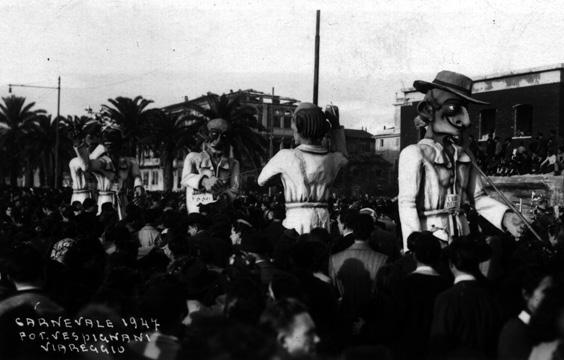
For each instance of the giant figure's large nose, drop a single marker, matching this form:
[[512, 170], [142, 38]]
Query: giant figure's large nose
[[462, 119]]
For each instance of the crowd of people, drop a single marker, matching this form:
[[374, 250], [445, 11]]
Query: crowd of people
[[506, 157], [231, 282]]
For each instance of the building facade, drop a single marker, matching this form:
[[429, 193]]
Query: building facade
[[387, 143], [522, 104]]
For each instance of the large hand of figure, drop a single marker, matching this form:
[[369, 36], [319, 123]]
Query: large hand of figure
[[513, 224], [332, 115], [212, 184]]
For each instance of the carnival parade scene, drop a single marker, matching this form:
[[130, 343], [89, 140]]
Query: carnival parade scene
[[282, 180]]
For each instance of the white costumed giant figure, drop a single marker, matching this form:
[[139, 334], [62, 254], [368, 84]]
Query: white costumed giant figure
[[436, 176], [91, 148], [308, 171], [211, 173], [115, 174]]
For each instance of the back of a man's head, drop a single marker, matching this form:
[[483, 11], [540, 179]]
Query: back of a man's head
[[463, 254], [363, 227], [347, 217], [152, 215], [426, 247]]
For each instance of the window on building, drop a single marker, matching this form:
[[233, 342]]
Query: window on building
[[277, 119], [155, 177], [381, 143], [287, 121], [523, 116], [486, 123], [145, 178]]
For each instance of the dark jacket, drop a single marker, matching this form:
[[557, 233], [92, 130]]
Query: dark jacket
[[464, 323]]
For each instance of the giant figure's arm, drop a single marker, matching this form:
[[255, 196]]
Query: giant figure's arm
[[409, 179], [272, 168], [190, 176], [489, 208], [338, 141], [233, 189]]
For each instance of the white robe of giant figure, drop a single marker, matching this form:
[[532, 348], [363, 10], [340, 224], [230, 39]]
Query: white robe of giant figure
[[436, 176], [212, 172], [308, 171], [89, 148], [114, 173]]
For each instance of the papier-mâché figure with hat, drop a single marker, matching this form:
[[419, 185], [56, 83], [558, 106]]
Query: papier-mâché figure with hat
[[308, 171], [436, 176]]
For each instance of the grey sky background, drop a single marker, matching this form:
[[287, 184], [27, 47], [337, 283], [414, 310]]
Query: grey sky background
[[165, 50]]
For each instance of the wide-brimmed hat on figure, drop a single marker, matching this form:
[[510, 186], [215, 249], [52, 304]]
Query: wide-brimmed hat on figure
[[452, 82]]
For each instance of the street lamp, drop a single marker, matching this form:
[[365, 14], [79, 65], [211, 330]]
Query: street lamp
[[58, 88]]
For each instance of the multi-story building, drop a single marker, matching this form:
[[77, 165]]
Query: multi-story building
[[387, 142], [523, 104]]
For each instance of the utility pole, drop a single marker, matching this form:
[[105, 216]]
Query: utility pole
[[58, 88], [57, 140], [316, 66]]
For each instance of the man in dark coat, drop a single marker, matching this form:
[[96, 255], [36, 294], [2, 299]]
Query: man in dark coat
[[345, 222], [465, 323], [418, 293]]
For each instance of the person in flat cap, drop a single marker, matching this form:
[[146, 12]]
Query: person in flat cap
[[114, 172], [309, 170], [436, 176]]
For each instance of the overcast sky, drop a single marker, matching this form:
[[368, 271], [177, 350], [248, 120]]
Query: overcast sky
[[165, 50]]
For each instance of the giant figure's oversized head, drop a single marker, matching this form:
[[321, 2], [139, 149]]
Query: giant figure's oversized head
[[445, 106], [218, 136], [112, 138], [309, 122]]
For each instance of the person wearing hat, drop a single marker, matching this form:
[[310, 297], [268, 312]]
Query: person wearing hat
[[436, 175], [211, 173], [86, 144], [113, 171], [309, 170]]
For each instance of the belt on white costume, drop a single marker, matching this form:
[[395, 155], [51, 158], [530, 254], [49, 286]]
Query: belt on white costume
[[442, 212], [304, 205]]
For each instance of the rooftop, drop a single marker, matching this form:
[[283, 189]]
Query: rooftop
[[505, 74], [257, 96], [358, 133]]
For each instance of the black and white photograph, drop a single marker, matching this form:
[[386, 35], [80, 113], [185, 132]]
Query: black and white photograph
[[281, 180]]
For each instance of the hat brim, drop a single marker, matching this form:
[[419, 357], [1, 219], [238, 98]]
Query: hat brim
[[424, 86]]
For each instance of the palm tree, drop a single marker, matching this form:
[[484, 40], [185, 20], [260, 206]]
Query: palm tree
[[43, 149], [131, 115], [248, 143], [16, 124], [170, 137]]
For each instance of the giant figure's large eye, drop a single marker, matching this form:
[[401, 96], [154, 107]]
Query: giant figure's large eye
[[452, 109]]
